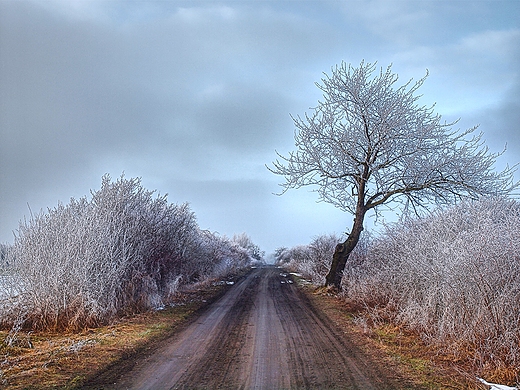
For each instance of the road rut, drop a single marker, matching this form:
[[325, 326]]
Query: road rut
[[262, 334]]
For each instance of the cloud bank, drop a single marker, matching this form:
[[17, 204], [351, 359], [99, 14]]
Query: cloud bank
[[194, 97]]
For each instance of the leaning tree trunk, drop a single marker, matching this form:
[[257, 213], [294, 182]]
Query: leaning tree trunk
[[342, 253]]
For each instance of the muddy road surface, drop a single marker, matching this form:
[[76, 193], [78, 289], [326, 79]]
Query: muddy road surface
[[262, 334]]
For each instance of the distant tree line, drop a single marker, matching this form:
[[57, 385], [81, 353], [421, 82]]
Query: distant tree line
[[122, 250]]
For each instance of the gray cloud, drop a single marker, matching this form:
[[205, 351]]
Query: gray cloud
[[195, 96], [501, 125]]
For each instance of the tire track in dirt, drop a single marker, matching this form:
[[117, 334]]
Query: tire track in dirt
[[263, 334]]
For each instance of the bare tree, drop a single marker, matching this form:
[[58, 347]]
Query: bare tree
[[369, 144], [244, 241]]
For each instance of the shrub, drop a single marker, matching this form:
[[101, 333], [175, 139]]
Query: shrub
[[245, 242], [88, 262], [453, 276], [313, 260], [3, 255]]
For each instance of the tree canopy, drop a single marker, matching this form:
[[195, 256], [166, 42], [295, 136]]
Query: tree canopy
[[369, 143]]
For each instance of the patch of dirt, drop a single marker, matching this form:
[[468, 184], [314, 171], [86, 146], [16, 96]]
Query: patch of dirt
[[261, 332], [195, 302]]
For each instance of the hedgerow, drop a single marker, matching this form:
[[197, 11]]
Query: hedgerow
[[122, 250], [453, 277]]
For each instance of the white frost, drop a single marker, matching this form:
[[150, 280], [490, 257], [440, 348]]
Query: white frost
[[495, 386]]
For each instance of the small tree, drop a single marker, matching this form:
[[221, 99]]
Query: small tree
[[244, 241], [368, 144]]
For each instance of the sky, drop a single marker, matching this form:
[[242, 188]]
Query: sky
[[196, 97]]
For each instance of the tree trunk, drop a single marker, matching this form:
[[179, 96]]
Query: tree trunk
[[342, 253]]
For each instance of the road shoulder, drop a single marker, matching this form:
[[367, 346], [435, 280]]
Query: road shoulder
[[402, 356], [96, 357]]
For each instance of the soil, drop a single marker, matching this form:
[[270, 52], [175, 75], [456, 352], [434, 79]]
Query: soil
[[264, 333]]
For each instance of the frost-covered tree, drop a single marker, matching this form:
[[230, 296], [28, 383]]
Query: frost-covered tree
[[3, 254], [368, 143], [244, 241]]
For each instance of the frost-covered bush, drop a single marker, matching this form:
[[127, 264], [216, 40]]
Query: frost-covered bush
[[232, 254], [211, 255], [245, 242], [294, 259], [90, 261], [453, 276], [3, 255], [6, 286], [313, 260]]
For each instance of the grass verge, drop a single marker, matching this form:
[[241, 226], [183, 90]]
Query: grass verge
[[392, 347], [94, 357]]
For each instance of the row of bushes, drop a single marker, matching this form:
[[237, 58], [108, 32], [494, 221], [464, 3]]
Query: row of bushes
[[312, 261], [120, 251], [453, 277]]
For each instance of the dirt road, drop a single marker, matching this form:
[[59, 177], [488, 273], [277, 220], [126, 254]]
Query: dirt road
[[263, 334]]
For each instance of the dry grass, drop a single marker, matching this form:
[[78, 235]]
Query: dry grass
[[43, 360]]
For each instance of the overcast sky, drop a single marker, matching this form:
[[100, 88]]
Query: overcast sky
[[194, 97]]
